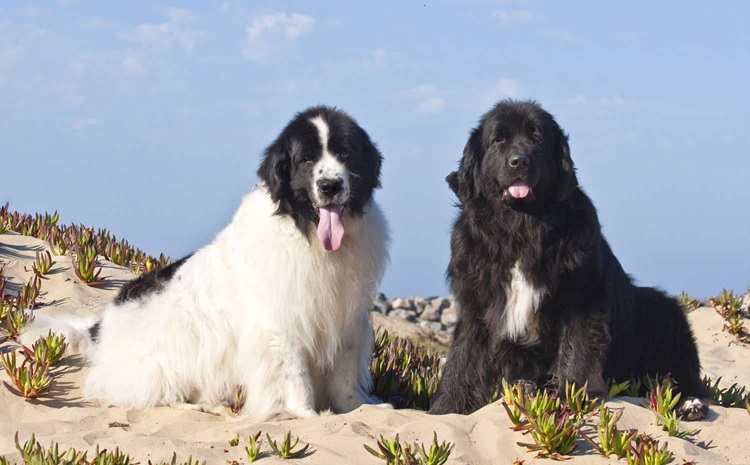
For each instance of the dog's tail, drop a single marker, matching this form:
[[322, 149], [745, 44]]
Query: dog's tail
[[80, 332]]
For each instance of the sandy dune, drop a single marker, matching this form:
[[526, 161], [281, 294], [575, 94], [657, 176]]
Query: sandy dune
[[482, 438]]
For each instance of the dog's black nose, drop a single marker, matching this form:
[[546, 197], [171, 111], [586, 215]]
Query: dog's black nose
[[519, 160], [330, 187]]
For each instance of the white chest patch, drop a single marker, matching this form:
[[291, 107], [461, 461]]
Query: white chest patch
[[523, 301]]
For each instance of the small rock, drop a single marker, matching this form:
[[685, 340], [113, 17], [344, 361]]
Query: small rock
[[381, 307], [419, 304], [430, 313], [432, 326], [400, 302], [449, 317], [440, 303], [409, 315]]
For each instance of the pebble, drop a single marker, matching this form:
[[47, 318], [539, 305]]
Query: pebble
[[449, 317]]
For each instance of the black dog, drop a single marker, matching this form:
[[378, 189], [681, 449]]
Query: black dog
[[541, 296]]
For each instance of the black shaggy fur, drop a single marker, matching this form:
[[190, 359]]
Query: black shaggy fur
[[592, 323], [287, 164], [146, 284], [149, 283]]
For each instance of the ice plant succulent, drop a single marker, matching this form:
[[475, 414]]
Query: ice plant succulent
[[578, 400], [32, 452], [48, 350], [238, 400], [85, 265], [253, 447], [733, 396], [612, 441], [285, 448], [688, 302], [174, 461], [394, 453], [645, 450], [43, 263], [615, 389], [729, 307], [26, 298], [16, 320], [438, 453], [57, 242], [389, 450], [554, 433], [403, 374], [512, 394], [30, 379], [663, 400]]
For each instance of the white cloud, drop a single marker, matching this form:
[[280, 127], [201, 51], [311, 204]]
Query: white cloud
[[506, 88], [179, 15], [83, 124], [379, 58], [163, 37], [79, 65], [431, 106], [133, 66], [515, 16], [268, 33], [426, 99], [486, 94]]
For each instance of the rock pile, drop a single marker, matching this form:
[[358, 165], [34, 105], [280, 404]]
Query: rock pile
[[437, 315]]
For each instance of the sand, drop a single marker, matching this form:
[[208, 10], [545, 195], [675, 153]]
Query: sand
[[67, 417]]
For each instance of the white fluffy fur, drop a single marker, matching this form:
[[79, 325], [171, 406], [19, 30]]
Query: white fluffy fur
[[261, 307], [523, 300]]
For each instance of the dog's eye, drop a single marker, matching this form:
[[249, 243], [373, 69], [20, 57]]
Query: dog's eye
[[498, 140]]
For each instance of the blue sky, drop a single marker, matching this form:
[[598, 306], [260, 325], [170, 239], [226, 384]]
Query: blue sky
[[149, 118]]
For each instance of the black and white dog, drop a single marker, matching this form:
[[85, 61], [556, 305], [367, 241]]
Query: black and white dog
[[267, 305], [541, 296]]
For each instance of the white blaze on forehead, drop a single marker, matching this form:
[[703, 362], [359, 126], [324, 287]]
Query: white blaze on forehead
[[328, 166], [322, 127]]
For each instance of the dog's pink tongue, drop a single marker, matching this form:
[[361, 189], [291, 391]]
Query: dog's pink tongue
[[519, 189], [331, 227]]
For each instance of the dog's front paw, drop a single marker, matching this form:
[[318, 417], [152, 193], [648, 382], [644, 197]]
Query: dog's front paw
[[692, 409]]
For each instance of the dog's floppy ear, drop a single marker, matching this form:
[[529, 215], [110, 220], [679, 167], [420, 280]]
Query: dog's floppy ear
[[465, 181], [371, 151], [275, 171], [567, 182]]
